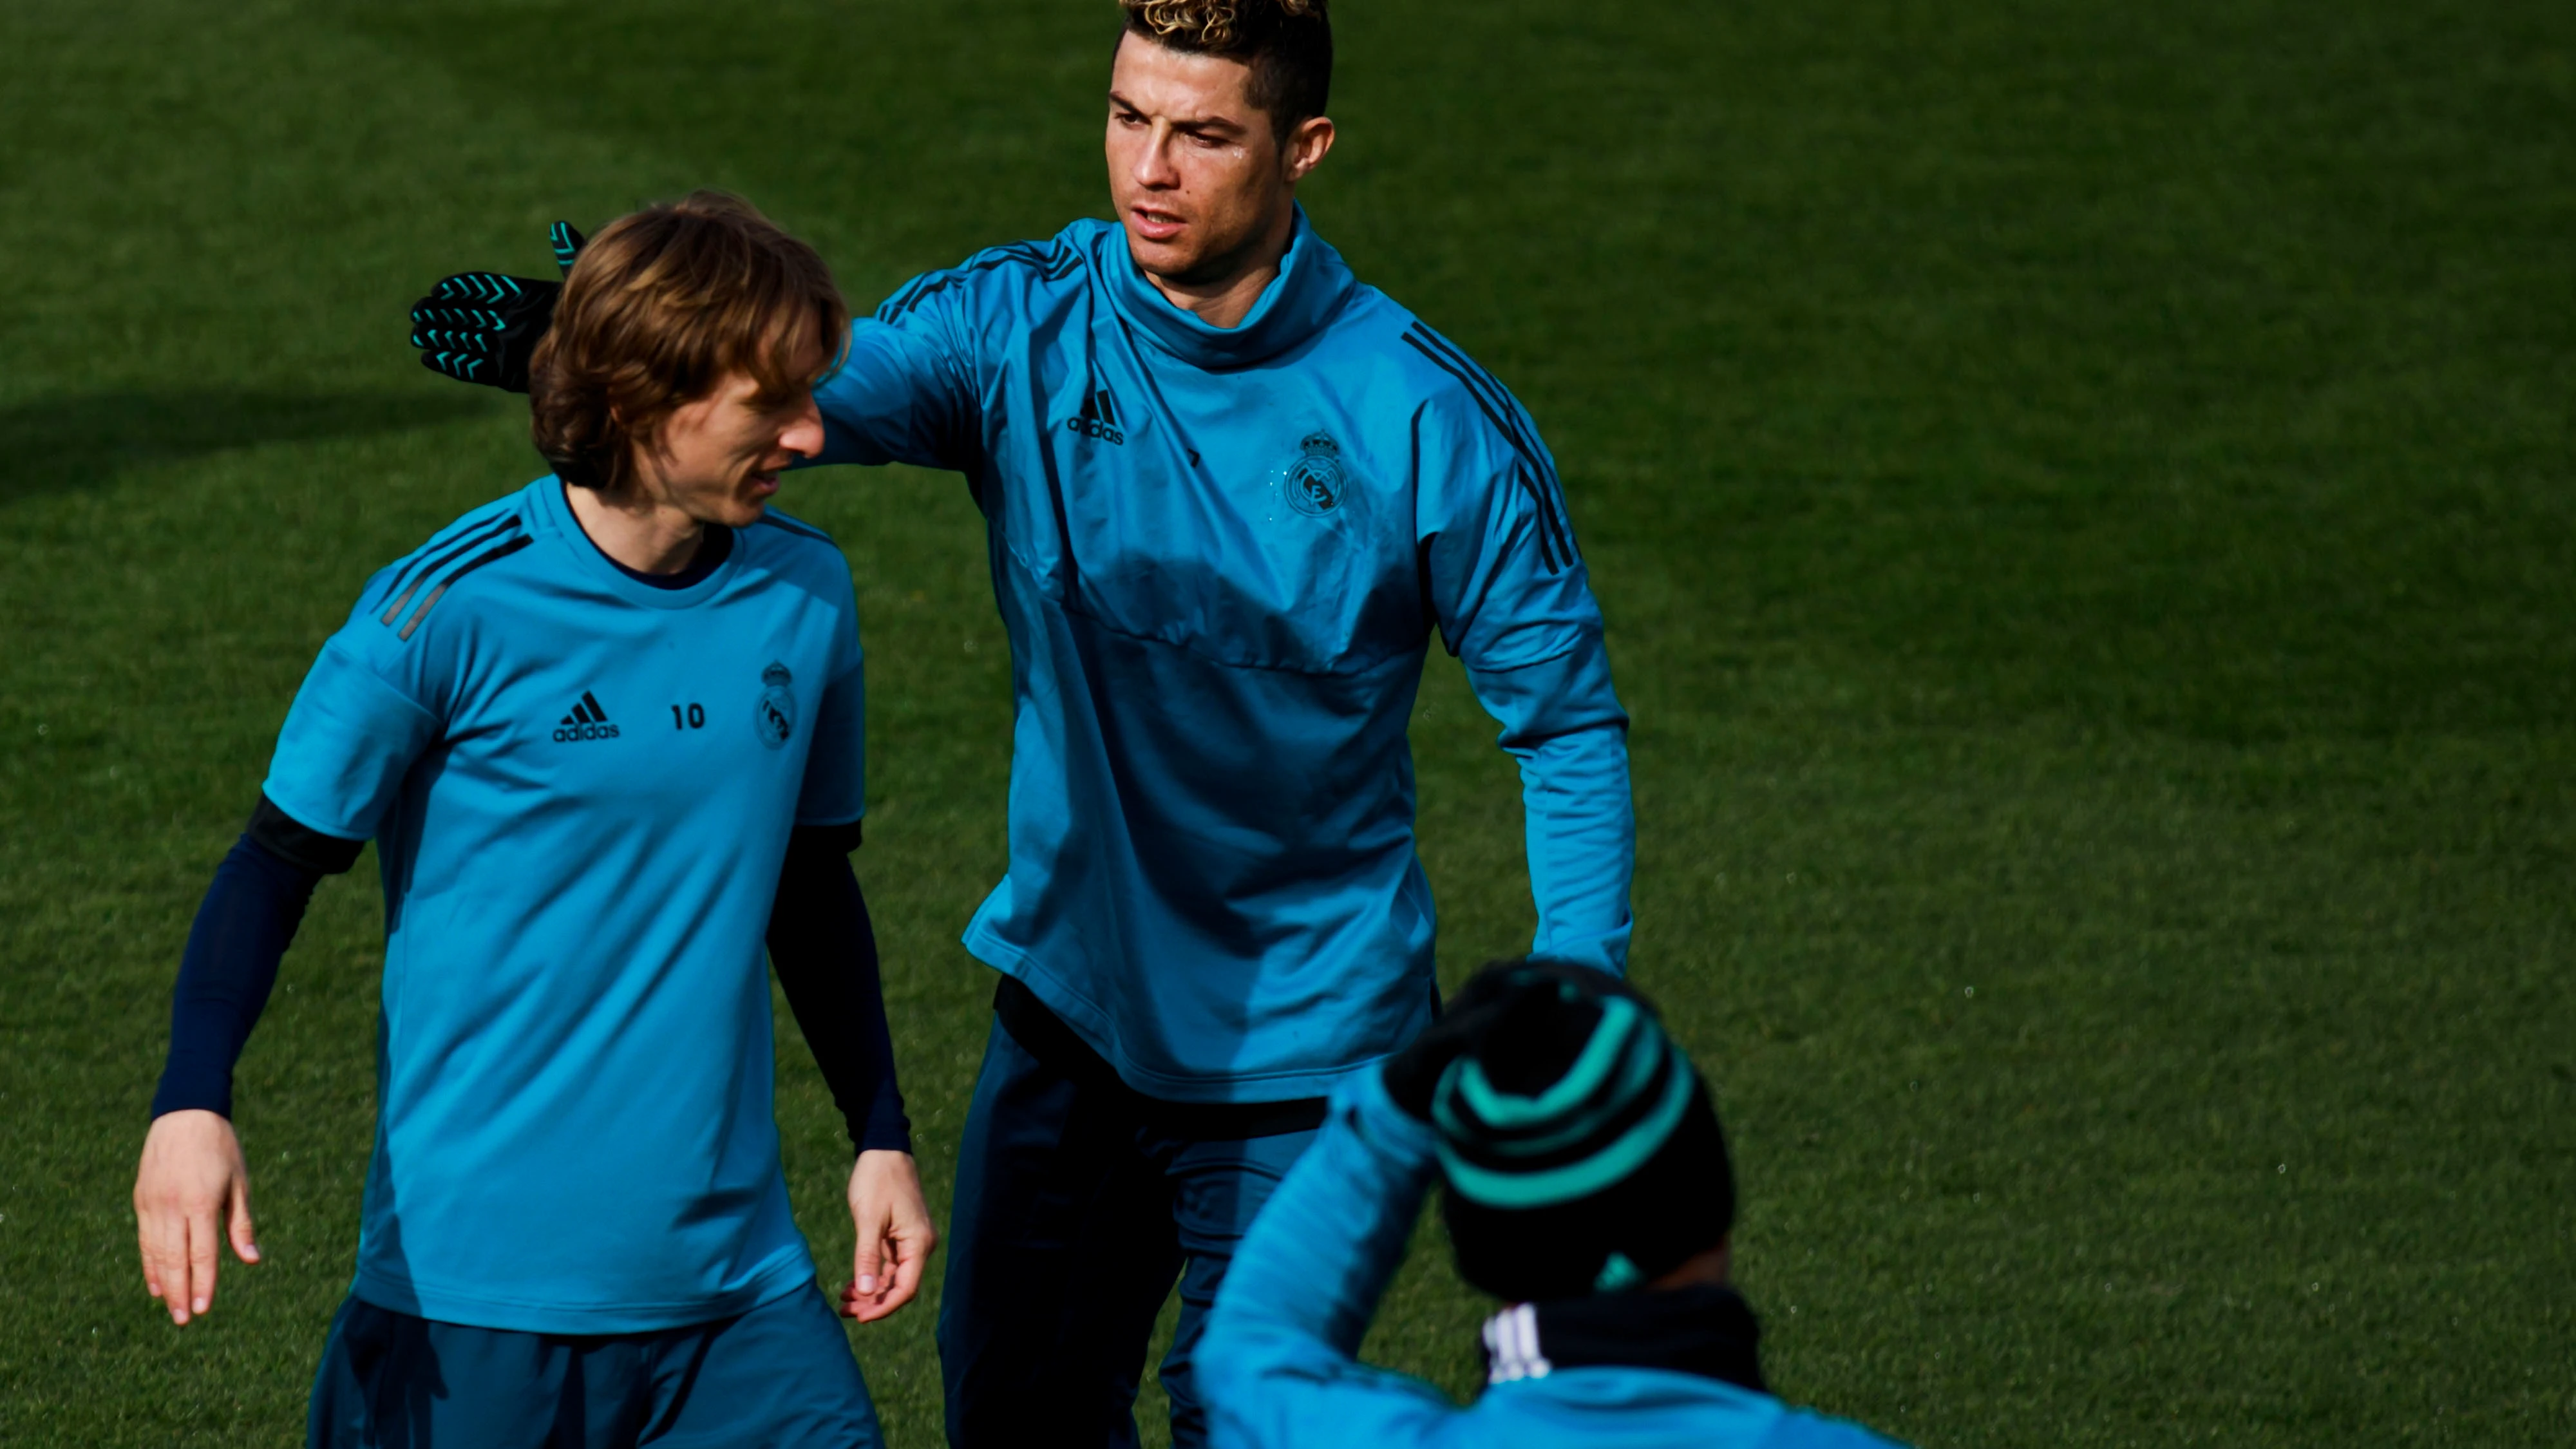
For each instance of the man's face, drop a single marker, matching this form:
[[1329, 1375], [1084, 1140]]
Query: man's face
[[717, 459], [1198, 176]]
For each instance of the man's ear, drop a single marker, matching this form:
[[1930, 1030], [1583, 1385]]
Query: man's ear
[[1306, 146]]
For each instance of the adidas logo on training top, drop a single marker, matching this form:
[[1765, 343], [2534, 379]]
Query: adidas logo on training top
[[1098, 419], [586, 722]]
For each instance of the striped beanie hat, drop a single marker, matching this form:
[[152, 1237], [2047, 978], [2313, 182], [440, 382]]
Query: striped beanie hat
[[1578, 1145]]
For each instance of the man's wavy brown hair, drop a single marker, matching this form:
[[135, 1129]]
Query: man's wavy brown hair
[[1288, 44], [662, 306]]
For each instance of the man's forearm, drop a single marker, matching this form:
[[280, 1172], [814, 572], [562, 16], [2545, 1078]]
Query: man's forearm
[[824, 948], [1563, 723], [242, 930]]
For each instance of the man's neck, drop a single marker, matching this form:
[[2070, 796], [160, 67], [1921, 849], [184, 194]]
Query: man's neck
[[1230, 297], [646, 536]]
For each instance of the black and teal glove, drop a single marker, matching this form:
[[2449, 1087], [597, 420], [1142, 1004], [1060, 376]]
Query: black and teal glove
[[483, 327]]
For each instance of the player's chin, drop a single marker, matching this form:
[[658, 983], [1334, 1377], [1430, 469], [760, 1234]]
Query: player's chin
[[751, 500], [1172, 256]]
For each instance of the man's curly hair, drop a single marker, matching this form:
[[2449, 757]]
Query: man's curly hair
[[1288, 44]]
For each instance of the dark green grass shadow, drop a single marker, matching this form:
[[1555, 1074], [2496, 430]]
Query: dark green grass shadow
[[51, 444]]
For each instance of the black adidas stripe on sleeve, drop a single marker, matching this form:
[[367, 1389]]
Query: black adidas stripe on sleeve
[[1547, 495], [473, 540], [469, 535], [495, 554], [798, 529], [1055, 262]]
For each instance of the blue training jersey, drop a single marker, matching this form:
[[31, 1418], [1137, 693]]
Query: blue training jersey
[[580, 787], [1220, 555]]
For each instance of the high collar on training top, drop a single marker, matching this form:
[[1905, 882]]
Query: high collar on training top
[[1312, 284]]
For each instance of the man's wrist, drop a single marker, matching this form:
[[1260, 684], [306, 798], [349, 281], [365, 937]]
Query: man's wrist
[[1372, 1114], [884, 1129], [193, 1087]]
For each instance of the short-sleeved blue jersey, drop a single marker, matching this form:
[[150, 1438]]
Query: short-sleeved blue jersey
[[581, 789], [1220, 555]]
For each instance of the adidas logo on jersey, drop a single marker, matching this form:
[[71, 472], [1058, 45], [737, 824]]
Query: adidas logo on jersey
[[1098, 419], [586, 722]]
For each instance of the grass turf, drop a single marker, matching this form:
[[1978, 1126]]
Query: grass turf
[[2081, 496]]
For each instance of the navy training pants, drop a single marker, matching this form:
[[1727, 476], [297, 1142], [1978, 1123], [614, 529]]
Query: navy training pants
[[1079, 1201]]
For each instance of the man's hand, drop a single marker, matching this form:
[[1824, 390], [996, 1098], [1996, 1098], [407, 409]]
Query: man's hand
[[192, 1174], [483, 326], [1413, 1075], [895, 1236]]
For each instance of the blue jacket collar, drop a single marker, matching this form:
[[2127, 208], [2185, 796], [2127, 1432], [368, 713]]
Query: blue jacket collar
[[1312, 284]]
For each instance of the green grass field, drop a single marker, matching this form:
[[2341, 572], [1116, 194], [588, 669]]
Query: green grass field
[[2082, 497]]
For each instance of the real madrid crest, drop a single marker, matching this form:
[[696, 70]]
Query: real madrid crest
[[775, 716], [1315, 481]]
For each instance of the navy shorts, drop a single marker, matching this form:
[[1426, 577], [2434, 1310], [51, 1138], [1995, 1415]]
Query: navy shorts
[[778, 1377]]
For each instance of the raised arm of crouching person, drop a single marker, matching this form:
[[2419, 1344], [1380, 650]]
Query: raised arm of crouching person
[[1584, 1181]]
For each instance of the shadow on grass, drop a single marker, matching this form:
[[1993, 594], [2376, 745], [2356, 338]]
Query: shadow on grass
[[81, 440]]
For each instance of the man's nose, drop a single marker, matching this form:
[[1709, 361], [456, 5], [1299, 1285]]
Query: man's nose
[[803, 435], [1154, 166]]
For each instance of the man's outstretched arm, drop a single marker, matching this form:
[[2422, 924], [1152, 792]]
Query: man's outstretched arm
[[902, 390]]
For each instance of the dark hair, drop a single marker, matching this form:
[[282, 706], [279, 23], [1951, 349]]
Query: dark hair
[[1288, 44], [661, 306]]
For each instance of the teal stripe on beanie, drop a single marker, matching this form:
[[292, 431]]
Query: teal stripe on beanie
[[1607, 1048], [1584, 1103], [1519, 1191], [1612, 1108]]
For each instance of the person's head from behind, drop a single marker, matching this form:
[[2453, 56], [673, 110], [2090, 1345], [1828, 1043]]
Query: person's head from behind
[[1216, 112], [1579, 1149], [680, 367]]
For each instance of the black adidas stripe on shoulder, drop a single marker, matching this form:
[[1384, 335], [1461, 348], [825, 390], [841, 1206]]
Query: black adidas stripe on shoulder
[[465, 531], [1052, 260], [789, 525], [482, 546], [1536, 477]]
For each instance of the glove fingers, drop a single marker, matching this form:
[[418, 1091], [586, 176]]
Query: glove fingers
[[482, 327], [449, 339], [491, 288], [463, 366], [464, 319], [567, 244]]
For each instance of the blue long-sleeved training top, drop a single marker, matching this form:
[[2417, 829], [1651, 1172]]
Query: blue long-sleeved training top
[[1220, 555], [1279, 1365]]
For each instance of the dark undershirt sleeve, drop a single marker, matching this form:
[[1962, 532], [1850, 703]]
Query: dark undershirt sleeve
[[825, 952], [243, 928]]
